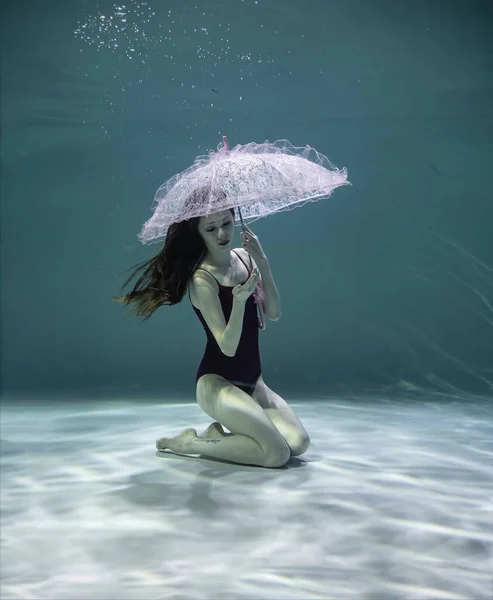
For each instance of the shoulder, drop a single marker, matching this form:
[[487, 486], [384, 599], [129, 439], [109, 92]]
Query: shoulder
[[245, 257], [202, 277], [202, 283]]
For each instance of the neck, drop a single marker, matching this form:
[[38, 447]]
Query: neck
[[221, 260]]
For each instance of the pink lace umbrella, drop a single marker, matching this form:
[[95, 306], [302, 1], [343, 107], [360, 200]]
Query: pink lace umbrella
[[256, 179]]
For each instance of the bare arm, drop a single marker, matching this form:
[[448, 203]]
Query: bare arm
[[227, 335], [272, 303], [232, 332]]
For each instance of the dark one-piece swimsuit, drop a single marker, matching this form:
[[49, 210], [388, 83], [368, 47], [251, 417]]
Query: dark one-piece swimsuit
[[244, 368]]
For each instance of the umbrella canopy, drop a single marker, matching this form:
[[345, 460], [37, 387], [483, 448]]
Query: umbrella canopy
[[259, 179]]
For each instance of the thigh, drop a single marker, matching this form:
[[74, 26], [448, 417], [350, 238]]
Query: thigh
[[238, 411], [283, 418]]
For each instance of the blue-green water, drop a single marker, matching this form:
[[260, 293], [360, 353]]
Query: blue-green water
[[384, 347]]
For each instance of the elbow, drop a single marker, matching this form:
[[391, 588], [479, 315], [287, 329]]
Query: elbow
[[272, 310], [227, 351], [223, 346]]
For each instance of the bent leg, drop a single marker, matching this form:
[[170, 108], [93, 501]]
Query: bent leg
[[255, 440], [283, 418]]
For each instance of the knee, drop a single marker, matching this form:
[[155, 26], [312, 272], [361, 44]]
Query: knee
[[277, 458], [299, 444]]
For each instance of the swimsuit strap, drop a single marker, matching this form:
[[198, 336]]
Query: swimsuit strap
[[207, 271], [189, 297], [246, 266]]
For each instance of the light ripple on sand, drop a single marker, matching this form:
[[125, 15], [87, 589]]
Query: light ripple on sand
[[385, 504]]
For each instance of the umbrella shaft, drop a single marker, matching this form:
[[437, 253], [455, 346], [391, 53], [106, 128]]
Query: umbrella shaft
[[243, 226]]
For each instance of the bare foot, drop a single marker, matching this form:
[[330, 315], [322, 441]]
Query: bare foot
[[215, 431], [177, 443], [162, 443]]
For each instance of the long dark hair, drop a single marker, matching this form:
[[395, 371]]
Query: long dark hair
[[167, 275]]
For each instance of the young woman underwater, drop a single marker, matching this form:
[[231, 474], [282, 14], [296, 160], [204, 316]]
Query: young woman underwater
[[198, 256]]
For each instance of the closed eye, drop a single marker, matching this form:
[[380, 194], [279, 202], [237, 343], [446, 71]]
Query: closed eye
[[209, 230]]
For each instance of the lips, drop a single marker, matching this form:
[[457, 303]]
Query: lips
[[223, 243]]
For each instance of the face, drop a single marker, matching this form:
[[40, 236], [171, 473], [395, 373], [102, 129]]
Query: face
[[217, 230]]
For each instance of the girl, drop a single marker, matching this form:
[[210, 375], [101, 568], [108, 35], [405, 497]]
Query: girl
[[198, 256]]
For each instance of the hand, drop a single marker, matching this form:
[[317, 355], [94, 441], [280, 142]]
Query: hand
[[243, 292], [251, 244]]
